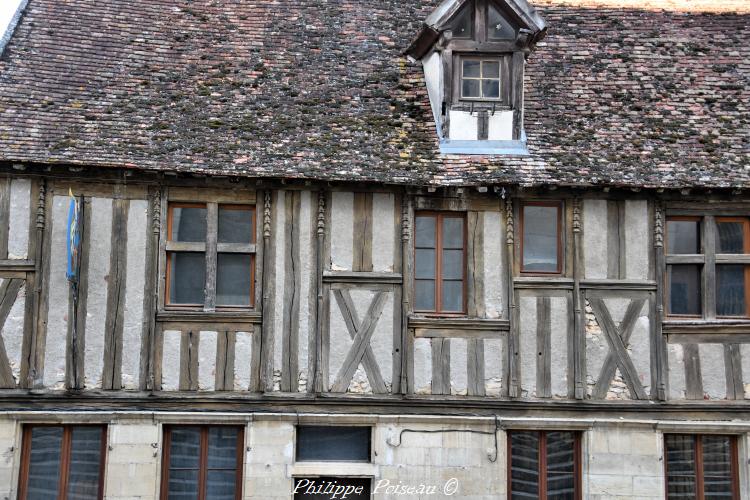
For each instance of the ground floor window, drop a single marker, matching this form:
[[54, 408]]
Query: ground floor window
[[202, 462], [545, 465], [65, 462], [701, 467]]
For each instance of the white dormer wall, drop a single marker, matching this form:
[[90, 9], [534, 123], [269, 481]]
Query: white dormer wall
[[433, 71], [464, 126]]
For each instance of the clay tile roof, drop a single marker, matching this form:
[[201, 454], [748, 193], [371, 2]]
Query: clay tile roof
[[651, 93]]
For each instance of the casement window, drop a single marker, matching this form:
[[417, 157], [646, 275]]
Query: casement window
[[210, 256], [707, 272], [544, 465], [317, 443], [202, 463], [480, 78], [701, 467], [65, 462], [440, 262], [541, 237]]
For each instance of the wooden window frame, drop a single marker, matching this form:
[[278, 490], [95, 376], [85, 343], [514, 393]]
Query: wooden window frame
[[542, 450], [65, 449], [708, 260], [501, 103], [203, 459], [698, 460], [560, 205], [211, 248], [439, 216]]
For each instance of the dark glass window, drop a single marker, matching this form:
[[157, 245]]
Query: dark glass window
[[685, 289], [701, 467], [545, 465], [541, 244], [314, 488], [202, 463], [204, 236], [480, 78], [62, 462], [317, 443], [498, 26], [462, 24], [439, 262]]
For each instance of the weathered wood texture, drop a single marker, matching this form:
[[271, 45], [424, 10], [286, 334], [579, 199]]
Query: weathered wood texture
[[292, 288], [8, 295], [77, 305], [115, 315], [4, 215], [362, 237]]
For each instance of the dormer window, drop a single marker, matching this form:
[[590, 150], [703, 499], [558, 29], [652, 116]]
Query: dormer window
[[473, 53]]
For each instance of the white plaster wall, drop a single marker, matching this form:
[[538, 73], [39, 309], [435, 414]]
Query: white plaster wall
[[242, 358], [595, 238], [712, 369], [57, 316], [422, 366], [138, 232], [637, 239], [463, 126], [500, 126], [340, 341], [433, 71], [745, 353], [12, 332], [494, 283], [623, 463], [307, 263], [96, 305], [494, 359], [20, 206], [170, 366], [207, 361], [383, 232], [676, 373], [280, 266], [342, 231], [10, 442], [559, 344], [596, 349], [133, 457], [527, 347], [459, 366], [640, 349], [270, 452]]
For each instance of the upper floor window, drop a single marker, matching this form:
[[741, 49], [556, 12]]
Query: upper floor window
[[545, 465], [701, 467], [202, 462], [65, 462], [210, 255], [541, 237], [440, 262], [480, 78], [707, 271]]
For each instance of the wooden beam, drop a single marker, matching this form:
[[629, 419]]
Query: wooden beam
[[733, 371], [77, 307], [475, 367], [316, 382], [292, 287], [659, 362], [9, 289], [269, 290], [475, 264], [35, 378], [115, 315], [441, 361], [577, 337], [362, 278], [693, 375], [543, 347], [362, 238], [150, 290], [406, 384], [189, 342], [212, 230], [708, 239], [4, 216], [31, 311], [225, 354]]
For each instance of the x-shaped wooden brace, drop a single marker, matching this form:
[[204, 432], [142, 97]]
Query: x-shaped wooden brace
[[360, 332], [618, 340], [8, 294]]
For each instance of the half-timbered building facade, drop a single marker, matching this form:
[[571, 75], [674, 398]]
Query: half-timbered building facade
[[494, 249]]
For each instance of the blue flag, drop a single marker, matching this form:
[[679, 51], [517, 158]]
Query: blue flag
[[74, 238]]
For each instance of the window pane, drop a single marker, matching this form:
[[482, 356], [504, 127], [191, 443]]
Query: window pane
[[424, 264], [730, 237], [561, 478], [470, 88], [425, 232], [717, 467], [540, 238], [185, 449], [333, 443], [453, 264], [680, 466], [233, 273], [424, 293], [490, 89], [453, 296], [490, 69], [524, 465], [730, 290], [221, 484], [188, 224], [683, 237], [453, 232], [305, 488], [684, 289], [222, 447], [498, 28], [236, 225], [85, 463], [187, 277], [44, 463], [183, 484], [462, 25], [472, 68]]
